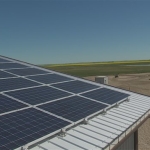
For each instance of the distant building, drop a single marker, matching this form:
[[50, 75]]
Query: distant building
[[101, 79]]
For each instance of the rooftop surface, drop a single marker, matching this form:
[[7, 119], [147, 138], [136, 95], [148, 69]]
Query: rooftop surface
[[104, 131]]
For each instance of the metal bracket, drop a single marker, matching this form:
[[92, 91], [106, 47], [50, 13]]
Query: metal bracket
[[128, 99], [63, 132], [25, 147], [117, 105], [104, 111], [85, 121]]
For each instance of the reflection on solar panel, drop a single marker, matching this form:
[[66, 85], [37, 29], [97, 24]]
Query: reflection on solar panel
[[22, 127], [4, 60], [5, 74], [106, 95], [73, 108], [11, 65], [27, 71], [49, 78], [75, 86], [38, 95], [8, 104], [15, 83]]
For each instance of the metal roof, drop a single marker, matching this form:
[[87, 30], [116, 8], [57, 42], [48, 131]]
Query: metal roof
[[103, 131]]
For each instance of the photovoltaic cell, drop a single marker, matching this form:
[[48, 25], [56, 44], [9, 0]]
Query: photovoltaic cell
[[49, 78], [27, 71], [8, 104], [11, 65], [22, 127], [5, 75], [3, 60], [73, 108], [106, 95], [75, 86], [38, 95], [15, 83]]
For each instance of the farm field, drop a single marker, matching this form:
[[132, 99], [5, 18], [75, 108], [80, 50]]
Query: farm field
[[102, 68]]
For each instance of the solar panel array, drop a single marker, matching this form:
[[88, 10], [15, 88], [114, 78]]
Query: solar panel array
[[36, 102]]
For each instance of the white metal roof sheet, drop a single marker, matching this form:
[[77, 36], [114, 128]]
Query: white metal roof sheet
[[103, 129]]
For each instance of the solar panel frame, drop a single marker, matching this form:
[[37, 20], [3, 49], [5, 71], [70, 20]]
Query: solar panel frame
[[2, 60], [26, 126], [7, 104], [12, 65], [27, 71], [73, 108], [5, 75], [76, 86], [49, 78], [16, 83], [111, 98], [53, 85], [38, 95]]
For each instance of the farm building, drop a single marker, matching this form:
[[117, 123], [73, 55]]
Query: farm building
[[42, 109]]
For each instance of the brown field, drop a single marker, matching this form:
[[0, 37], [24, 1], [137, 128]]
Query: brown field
[[139, 83]]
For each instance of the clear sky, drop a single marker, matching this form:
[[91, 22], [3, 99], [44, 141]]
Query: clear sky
[[67, 31]]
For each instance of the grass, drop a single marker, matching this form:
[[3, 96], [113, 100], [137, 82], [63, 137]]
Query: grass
[[101, 68]]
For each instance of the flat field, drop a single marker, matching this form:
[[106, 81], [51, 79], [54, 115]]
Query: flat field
[[102, 68]]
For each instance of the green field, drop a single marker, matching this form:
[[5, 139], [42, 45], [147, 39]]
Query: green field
[[101, 68]]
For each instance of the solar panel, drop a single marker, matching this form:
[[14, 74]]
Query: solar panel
[[27, 71], [73, 108], [49, 78], [22, 127], [38, 95], [15, 83], [8, 104], [3, 60], [18, 128], [75, 86], [5, 75], [106, 95], [11, 65]]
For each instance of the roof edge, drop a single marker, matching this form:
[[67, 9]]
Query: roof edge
[[132, 131]]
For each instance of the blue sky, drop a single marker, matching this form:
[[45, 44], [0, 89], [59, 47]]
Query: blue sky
[[67, 31]]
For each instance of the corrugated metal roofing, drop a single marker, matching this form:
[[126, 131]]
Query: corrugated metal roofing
[[104, 130]]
